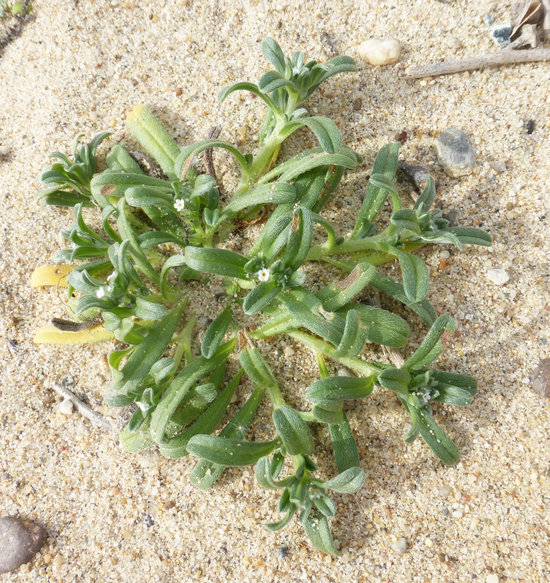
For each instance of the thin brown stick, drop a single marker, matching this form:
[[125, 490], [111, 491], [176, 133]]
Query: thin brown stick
[[505, 57]]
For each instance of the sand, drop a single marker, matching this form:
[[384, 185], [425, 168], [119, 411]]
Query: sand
[[112, 516]]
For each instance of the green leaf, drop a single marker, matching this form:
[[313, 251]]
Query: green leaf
[[339, 389], [173, 261], [198, 147], [256, 368], [326, 131], [406, 219], [152, 136], [326, 414], [260, 296], [273, 80], [228, 452], [176, 447], [337, 295], [273, 53], [273, 193], [181, 386], [145, 196], [148, 310], [430, 348], [244, 86], [147, 353], [318, 532], [299, 240], [215, 333], [344, 157], [134, 441], [382, 326], [437, 439], [426, 199], [385, 165], [353, 337], [347, 482], [344, 446], [415, 273], [471, 236], [293, 430], [385, 284], [395, 379], [206, 473], [216, 261], [455, 389]]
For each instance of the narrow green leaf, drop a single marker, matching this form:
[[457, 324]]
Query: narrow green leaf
[[339, 389], [198, 147], [148, 310], [273, 53], [454, 389], [424, 353], [353, 337], [228, 452], [347, 482], [216, 261], [406, 219], [415, 273], [318, 532], [299, 240], [471, 236], [272, 193], [293, 430], [147, 353], [383, 327], [426, 199], [215, 333], [386, 165], [134, 441], [326, 131], [260, 296], [244, 86], [205, 473], [395, 379], [344, 446], [437, 439], [176, 447], [337, 295], [256, 368]]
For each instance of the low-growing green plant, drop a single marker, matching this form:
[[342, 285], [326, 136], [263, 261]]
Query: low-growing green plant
[[156, 238]]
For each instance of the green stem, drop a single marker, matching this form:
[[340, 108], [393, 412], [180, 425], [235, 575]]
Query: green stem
[[322, 347]]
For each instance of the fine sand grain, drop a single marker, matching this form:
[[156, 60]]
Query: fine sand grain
[[112, 517]]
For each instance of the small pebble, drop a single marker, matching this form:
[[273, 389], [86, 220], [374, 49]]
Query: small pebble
[[492, 578], [417, 175], [380, 52], [488, 19], [344, 372], [540, 379], [455, 152], [357, 104], [288, 351], [500, 34], [498, 276], [529, 126], [20, 540], [4, 150], [444, 491], [499, 166], [400, 546], [445, 254], [66, 407]]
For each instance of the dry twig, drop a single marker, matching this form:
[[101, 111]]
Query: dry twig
[[505, 57], [81, 407]]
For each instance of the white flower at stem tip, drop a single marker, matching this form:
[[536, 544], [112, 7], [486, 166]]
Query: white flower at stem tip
[[179, 204], [263, 274], [100, 293]]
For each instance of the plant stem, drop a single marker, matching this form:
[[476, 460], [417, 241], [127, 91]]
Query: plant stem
[[321, 347]]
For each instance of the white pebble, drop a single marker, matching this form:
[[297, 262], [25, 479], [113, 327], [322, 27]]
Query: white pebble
[[492, 578], [400, 546], [498, 276], [66, 407], [380, 52], [289, 351], [445, 254], [4, 150]]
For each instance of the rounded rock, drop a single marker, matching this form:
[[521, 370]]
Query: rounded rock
[[540, 379], [498, 276], [400, 546], [20, 540], [455, 152], [380, 52]]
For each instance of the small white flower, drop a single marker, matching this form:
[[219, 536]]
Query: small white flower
[[100, 293], [111, 276], [179, 204], [263, 274]]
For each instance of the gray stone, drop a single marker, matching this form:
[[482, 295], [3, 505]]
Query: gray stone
[[20, 540], [455, 152], [540, 379]]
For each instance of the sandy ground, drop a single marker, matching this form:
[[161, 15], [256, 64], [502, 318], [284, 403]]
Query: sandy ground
[[113, 517]]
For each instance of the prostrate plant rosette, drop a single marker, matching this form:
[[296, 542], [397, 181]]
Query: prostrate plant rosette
[[129, 281]]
